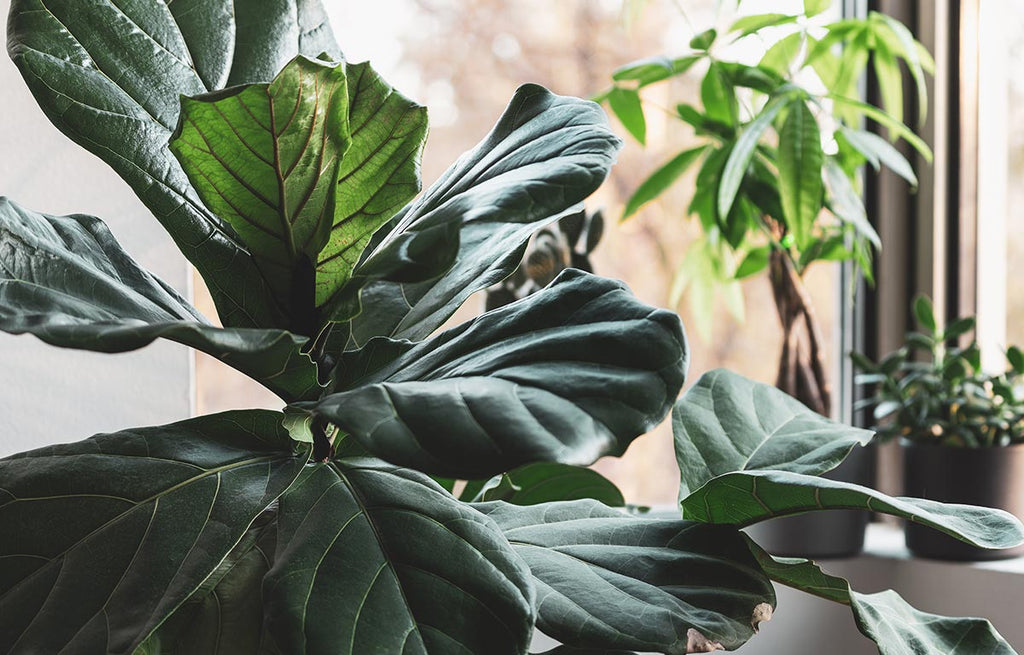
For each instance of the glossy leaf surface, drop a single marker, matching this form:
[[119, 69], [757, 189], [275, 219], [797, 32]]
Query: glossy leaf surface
[[379, 173], [543, 482], [726, 422], [885, 618], [114, 532], [375, 559], [567, 375], [225, 615], [546, 154], [748, 497], [645, 584], [67, 281], [110, 75], [265, 157]]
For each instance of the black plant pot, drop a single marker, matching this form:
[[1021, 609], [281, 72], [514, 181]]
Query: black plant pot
[[823, 535], [990, 477]]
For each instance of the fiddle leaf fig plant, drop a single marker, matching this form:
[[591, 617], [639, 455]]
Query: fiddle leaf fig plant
[[281, 170], [283, 173], [747, 453]]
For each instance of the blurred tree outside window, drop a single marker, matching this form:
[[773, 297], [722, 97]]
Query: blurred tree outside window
[[464, 58]]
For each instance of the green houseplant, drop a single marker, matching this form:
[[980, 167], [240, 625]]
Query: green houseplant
[[328, 527], [780, 147], [748, 453], [962, 428], [283, 178]]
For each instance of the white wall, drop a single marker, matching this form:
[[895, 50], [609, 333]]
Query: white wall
[[52, 395]]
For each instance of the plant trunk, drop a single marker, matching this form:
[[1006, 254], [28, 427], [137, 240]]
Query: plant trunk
[[801, 363]]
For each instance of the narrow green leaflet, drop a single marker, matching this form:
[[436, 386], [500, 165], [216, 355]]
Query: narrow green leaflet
[[889, 78], [265, 158], [895, 127], [661, 179], [375, 559], [546, 154], [742, 152], [379, 173], [726, 422], [846, 203], [665, 586], [747, 497], [747, 25], [67, 281], [885, 618], [901, 42], [630, 112], [717, 95], [543, 482], [110, 76], [567, 375], [879, 151], [815, 7], [654, 69], [799, 162], [755, 262], [780, 57], [115, 532]]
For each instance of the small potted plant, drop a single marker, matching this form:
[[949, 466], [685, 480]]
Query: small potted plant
[[962, 427]]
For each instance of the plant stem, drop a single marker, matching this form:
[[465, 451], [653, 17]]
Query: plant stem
[[801, 363]]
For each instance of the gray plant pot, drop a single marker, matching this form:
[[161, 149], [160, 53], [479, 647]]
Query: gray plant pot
[[990, 477], [823, 535]]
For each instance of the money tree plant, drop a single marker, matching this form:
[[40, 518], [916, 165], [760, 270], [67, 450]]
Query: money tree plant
[[780, 145]]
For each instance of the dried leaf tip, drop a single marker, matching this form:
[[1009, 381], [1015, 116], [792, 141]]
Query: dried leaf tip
[[762, 613], [698, 643]]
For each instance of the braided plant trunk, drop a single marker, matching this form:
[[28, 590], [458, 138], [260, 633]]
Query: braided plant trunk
[[801, 363]]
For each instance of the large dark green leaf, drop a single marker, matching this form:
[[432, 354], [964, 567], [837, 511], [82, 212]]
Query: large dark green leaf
[[568, 374], [546, 154], [109, 75], [747, 497], [726, 422], [105, 538], [225, 615], [265, 157], [647, 584], [885, 618], [67, 281], [661, 179], [374, 559]]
